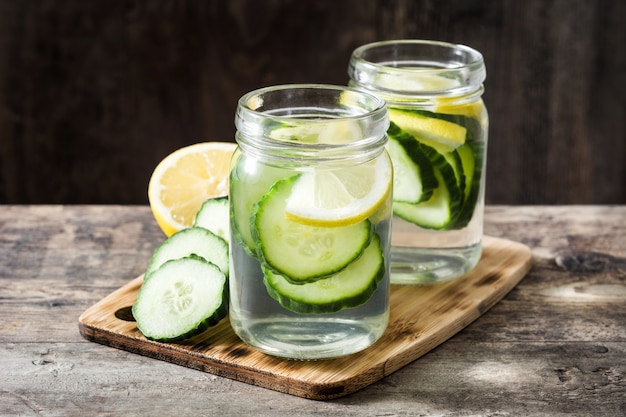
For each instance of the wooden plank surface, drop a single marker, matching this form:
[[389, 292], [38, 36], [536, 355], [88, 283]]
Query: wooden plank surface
[[555, 345], [94, 94], [421, 318]]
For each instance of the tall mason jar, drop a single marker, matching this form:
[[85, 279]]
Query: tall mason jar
[[310, 206], [438, 143]]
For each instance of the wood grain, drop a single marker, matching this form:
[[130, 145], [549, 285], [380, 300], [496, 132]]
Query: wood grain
[[94, 94], [555, 345], [421, 318]]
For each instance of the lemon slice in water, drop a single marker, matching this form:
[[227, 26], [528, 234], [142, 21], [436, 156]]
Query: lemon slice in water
[[340, 197]]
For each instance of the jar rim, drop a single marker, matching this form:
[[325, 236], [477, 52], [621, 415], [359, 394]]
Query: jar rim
[[261, 112], [462, 65], [378, 104]]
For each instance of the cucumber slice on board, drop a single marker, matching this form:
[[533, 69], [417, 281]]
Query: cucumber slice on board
[[214, 216], [303, 253], [183, 298], [348, 288], [193, 240]]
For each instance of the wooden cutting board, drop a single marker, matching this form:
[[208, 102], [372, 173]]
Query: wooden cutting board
[[422, 317]]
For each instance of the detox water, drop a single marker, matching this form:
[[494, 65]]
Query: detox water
[[437, 141], [310, 201]]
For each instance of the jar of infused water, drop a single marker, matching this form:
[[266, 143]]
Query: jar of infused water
[[437, 142], [310, 205]]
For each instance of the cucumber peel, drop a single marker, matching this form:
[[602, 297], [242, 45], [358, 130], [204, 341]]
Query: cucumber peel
[[302, 253], [214, 216], [348, 288], [193, 240], [183, 298]]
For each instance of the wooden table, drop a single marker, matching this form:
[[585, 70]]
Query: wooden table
[[555, 345]]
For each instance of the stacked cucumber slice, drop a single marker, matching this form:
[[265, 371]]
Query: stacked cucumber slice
[[437, 158], [307, 268], [185, 288]]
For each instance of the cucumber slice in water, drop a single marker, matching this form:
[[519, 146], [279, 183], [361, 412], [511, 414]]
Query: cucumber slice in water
[[348, 288], [299, 252], [214, 216], [463, 161], [436, 213], [471, 156], [413, 180], [193, 240], [183, 298], [249, 182], [441, 209], [454, 160]]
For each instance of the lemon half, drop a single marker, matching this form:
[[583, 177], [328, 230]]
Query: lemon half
[[185, 179]]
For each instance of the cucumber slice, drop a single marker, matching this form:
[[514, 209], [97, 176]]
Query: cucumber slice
[[465, 161], [348, 288], [454, 161], [249, 181], [471, 156], [183, 298], [413, 179], [214, 216], [441, 209], [193, 240], [436, 213], [299, 252]]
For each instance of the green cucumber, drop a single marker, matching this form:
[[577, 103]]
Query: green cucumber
[[249, 182], [183, 298], [454, 160], [299, 252], [436, 213], [441, 209], [471, 155], [465, 160], [413, 179], [192, 240], [348, 288], [214, 216]]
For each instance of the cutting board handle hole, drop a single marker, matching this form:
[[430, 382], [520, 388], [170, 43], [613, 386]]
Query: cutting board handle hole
[[125, 313]]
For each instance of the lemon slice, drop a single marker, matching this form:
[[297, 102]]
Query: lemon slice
[[340, 197], [329, 132], [185, 179], [412, 81], [440, 134], [447, 105]]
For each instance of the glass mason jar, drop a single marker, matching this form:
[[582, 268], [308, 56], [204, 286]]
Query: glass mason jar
[[437, 142], [310, 206]]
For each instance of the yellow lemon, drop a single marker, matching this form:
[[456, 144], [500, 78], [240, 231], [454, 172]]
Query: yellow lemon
[[185, 179], [340, 197]]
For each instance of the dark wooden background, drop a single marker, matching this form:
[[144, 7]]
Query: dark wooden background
[[93, 94]]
